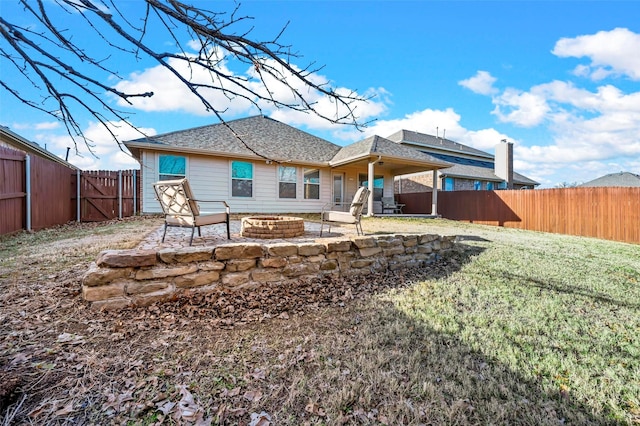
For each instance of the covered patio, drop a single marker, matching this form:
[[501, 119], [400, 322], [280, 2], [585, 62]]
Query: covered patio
[[382, 157]]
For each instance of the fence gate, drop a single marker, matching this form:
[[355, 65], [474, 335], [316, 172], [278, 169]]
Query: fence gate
[[106, 195]]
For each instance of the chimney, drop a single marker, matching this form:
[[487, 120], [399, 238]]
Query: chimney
[[503, 164]]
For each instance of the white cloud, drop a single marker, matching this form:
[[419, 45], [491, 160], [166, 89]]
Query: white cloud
[[171, 94], [372, 103], [524, 109], [444, 123], [107, 155], [481, 83], [612, 52], [49, 125]]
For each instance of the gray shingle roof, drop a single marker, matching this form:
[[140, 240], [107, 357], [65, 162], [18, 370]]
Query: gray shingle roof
[[626, 179], [484, 173], [266, 136], [408, 136], [376, 145], [277, 141]]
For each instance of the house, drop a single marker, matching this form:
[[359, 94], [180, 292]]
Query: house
[[260, 165], [11, 140], [625, 179], [472, 169]]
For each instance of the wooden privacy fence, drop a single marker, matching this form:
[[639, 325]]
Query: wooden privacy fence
[[106, 195], [606, 212], [37, 193]]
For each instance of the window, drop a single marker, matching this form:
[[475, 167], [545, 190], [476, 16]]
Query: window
[[477, 185], [287, 182], [311, 184], [172, 167], [448, 184], [378, 185], [241, 179], [490, 186], [502, 185]]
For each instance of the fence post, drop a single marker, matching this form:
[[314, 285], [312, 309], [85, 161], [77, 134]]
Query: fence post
[[135, 191], [119, 194], [27, 171], [78, 177]]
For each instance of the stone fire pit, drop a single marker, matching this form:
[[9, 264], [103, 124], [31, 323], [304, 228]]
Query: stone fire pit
[[269, 227]]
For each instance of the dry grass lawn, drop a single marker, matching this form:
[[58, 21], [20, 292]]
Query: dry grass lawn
[[518, 328]]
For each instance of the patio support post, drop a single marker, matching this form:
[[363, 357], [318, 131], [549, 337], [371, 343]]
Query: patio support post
[[370, 186], [434, 194]]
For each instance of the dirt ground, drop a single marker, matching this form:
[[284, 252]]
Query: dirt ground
[[194, 361]]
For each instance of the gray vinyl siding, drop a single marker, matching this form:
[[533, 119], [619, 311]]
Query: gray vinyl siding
[[210, 179]]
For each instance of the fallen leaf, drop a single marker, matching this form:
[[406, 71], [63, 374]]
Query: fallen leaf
[[187, 407], [262, 419], [70, 339], [67, 409], [252, 396], [315, 409], [20, 358]]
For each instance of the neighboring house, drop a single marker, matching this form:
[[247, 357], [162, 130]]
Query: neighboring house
[[472, 168], [281, 169], [625, 179], [12, 140], [35, 185]]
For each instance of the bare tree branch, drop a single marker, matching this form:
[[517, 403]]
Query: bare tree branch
[[75, 78]]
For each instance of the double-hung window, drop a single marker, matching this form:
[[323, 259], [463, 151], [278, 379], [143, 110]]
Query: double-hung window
[[311, 184], [172, 167], [241, 179], [287, 182]]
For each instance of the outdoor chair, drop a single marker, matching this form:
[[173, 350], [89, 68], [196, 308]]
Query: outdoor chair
[[389, 204], [181, 209], [353, 215]]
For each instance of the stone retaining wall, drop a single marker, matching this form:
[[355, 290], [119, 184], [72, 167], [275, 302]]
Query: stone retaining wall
[[121, 278]]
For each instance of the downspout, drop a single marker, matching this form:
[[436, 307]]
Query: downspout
[[370, 186]]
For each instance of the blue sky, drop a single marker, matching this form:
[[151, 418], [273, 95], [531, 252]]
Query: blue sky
[[560, 79]]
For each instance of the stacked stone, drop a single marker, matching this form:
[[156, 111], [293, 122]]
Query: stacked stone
[[121, 278], [272, 227]]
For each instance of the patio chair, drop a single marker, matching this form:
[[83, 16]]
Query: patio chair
[[389, 203], [353, 215], [181, 209]]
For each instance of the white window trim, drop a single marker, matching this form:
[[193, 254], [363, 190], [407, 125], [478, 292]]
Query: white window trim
[[253, 180], [319, 183], [297, 182], [186, 163]]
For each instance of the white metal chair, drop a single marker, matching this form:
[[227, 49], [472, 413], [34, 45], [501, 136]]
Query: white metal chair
[[181, 209], [353, 215]]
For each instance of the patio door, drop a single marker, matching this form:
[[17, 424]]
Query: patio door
[[337, 192]]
